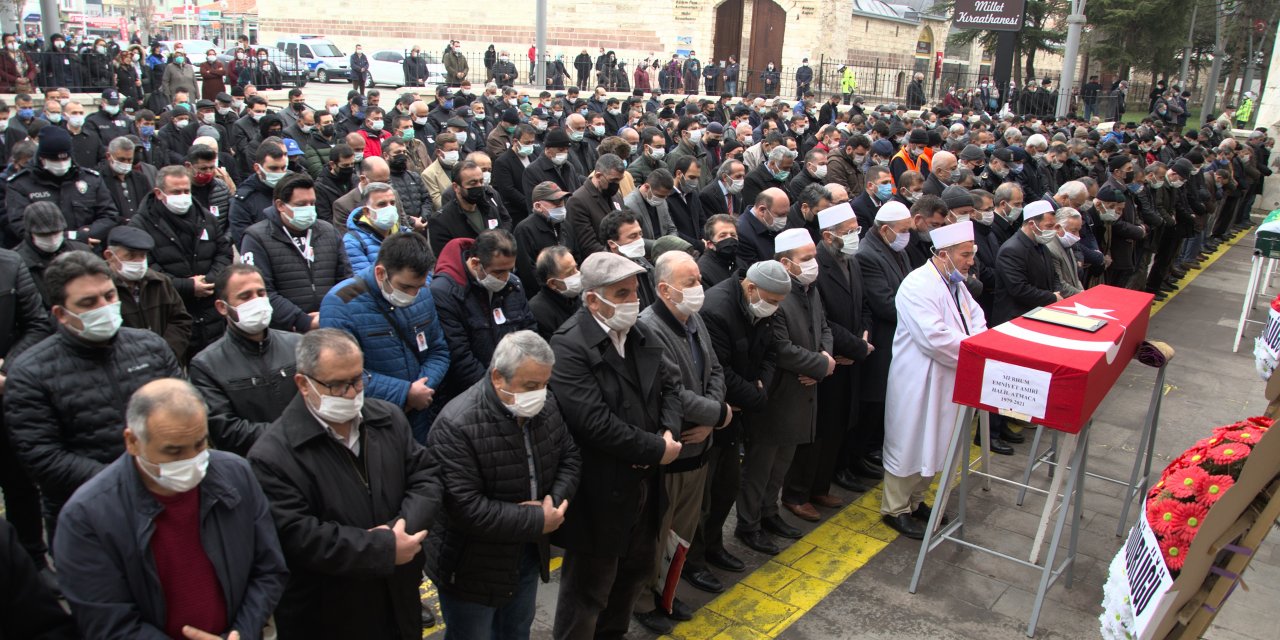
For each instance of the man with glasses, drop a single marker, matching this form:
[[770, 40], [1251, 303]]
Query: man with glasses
[[351, 497]]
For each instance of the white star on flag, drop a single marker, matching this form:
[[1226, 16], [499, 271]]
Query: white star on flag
[[1087, 312]]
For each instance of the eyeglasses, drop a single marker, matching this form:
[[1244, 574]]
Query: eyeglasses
[[344, 387]]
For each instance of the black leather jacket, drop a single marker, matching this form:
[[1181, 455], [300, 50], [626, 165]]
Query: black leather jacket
[[246, 384]]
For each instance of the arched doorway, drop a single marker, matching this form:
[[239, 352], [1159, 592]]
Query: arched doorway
[[768, 28], [924, 50], [728, 31]]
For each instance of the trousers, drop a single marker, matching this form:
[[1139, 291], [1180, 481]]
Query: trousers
[[763, 469]]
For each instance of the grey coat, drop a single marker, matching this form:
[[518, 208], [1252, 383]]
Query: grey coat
[[801, 334], [702, 392], [635, 202], [1064, 264]]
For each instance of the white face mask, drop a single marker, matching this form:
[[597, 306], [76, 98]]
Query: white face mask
[[48, 243], [850, 243], [763, 308], [76, 121], [691, 301], [820, 171], [557, 214], [572, 286], [492, 284], [179, 476], [133, 270], [57, 167], [450, 158], [384, 217], [559, 159], [397, 297], [253, 316], [335, 409], [100, 324], [1045, 236], [624, 314], [808, 272], [735, 187], [178, 203], [121, 168], [633, 249], [527, 403]]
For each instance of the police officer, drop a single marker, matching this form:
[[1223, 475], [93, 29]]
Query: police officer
[[54, 177], [107, 121]]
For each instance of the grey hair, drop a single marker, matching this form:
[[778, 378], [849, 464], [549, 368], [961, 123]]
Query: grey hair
[[667, 263], [514, 348], [1063, 214], [726, 167], [1013, 135], [1074, 189], [121, 144], [316, 342], [779, 152], [174, 394], [1037, 141], [375, 187], [1004, 192]]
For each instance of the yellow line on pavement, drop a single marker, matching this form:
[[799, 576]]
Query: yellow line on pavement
[[1193, 273]]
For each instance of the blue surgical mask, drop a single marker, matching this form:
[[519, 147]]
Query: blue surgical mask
[[1017, 167], [884, 191], [147, 130], [26, 114]]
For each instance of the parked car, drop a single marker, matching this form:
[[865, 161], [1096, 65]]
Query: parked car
[[323, 59], [292, 70], [194, 48], [386, 67]]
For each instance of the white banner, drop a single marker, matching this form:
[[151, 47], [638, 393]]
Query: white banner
[[1149, 578]]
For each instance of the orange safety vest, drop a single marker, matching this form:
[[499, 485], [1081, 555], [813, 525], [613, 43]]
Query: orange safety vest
[[906, 159]]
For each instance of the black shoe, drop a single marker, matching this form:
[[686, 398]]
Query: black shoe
[[923, 512], [777, 526], [869, 469], [758, 540], [680, 612], [428, 615], [847, 480], [721, 559], [703, 579], [999, 446], [876, 456], [655, 621], [906, 525], [1161, 297]]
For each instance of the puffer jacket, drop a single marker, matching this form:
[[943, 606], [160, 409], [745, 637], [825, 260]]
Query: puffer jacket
[[297, 285], [362, 242], [411, 194], [470, 316], [481, 459], [246, 384], [252, 197], [216, 197], [37, 261], [24, 321], [394, 356], [65, 398], [186, 246]]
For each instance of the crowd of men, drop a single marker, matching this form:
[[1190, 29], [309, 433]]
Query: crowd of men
[[449, 332]]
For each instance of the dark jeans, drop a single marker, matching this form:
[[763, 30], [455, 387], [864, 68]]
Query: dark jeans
[[21, 501], [467, 620], [597, 593], [724, 469], [867, 434]]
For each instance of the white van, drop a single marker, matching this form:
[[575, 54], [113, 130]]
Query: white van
[[319, 55]]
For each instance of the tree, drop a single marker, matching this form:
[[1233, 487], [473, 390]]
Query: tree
[[1043, 30], [144, 12]]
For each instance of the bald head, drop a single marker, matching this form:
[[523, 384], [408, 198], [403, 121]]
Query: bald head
[[631, 136], [174, 398], [772, 204], [576, 122], [374, 169], [419, 109], [207, 141], [838, 193]]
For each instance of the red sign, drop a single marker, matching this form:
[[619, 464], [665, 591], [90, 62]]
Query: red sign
[[1081, 366], [937, 65]]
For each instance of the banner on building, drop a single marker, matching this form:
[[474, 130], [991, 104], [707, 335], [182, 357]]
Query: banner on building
[[989, 15]]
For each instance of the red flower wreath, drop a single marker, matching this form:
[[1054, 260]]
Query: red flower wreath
[[1187, 518], [1247, 434], [1161, 515], [1228, 453], [1213, 488], [1186, 482], [1174, 550]]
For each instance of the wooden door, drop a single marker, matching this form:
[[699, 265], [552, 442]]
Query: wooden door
[[768, 27], [728, 34]]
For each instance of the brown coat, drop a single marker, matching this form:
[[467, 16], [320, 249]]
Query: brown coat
[[158, 308], [9, 72], [211, 83]]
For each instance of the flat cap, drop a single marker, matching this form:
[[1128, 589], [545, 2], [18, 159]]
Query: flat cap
[[44, 218], [771, 276], [971, 152], [602, 268], [131, 238], [956, 196]]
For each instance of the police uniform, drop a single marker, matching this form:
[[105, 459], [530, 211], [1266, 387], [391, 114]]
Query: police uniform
[[81, 194]]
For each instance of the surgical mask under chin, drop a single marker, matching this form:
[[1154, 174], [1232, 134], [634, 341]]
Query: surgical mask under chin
[[691, 301], [527, 403], [397, 297], [179, 476], [133, 270], [99, 324], [624, 314], [633, 249], [253, 316], [334, 409], [572, 286]]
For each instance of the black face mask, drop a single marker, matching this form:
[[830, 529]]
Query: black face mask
[[610, 190], [344, 173], [398, 163], [298, 106], [1128, 177], [327, 131], [727, 247], [474, 195]]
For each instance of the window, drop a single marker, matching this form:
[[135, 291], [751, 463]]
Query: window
[[326, 51], [924, 48], [304, 51]]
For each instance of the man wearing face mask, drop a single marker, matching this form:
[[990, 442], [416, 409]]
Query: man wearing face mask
[[1122, 231], [942, 166], [845, 165], [175, 486], [147, 298], [372, 131], [65, 396], [246, 134], [370, 224], [649, 203], [927, 213], [1025, 275], [543, 228], [188, 248], [789, 419], [254, 195], [559, 295], [935, 313], [300, 257], [86, 147], [46, 239], [772, 173], [411, 192], [390, 310], [722, 195], [359, 560], [173, 140], [653, 151], [438, 176], [107, 121], [624, 235], [758, 226], [552, 165], [911, 156], [593, 200], [690, 136], [470, 212], [78, 191], [625, 418], [1066, 263], [244, 375], [209, 187], [877, 191], [719, 259]]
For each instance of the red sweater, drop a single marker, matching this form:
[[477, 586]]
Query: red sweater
[[192, 593]]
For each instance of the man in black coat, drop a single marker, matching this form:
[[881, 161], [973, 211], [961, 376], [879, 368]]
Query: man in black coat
[[53, 177], [65, 397], [1025, 278], [719, 259], [625, 417], [878, 190], [722, 195], [553, 164], [543, 228], [188, 248], [490, 544], [508, 172], [560, 289], [352, 498], [23, 322], [471, 202], [759, 225]]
